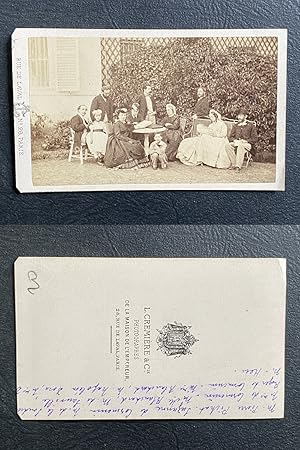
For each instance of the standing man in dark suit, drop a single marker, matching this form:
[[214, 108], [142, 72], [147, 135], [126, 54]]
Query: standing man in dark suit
[[202, 106], [147, 107], [104, 102], [242, 138]]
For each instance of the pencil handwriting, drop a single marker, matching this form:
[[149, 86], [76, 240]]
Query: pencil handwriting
[[32, 277]]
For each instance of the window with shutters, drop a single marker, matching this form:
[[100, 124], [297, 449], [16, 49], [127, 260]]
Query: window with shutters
[[38, 62], [67, 65]]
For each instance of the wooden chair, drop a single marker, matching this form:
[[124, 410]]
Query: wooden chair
[[205, 121], [248, 159], [186, 134], [182, 122], [83, 153]]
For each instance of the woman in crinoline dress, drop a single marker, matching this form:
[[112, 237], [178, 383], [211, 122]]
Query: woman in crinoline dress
[[123, 152], [96, 139], [208, 147], [173, 135]]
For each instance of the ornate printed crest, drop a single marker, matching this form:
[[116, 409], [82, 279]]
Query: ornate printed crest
[[20, 109], [175, 339]]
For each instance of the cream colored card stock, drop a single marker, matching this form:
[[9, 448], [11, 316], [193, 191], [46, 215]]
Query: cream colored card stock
[[120, 338]]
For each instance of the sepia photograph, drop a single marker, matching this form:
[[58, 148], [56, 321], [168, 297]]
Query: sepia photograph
[[149, 109]]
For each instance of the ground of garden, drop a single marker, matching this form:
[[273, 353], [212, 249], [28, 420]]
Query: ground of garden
[[60, 173]]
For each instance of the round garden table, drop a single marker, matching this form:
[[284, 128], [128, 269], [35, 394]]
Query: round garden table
[[147, 132]]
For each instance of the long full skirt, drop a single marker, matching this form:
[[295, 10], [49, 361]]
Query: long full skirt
[[124, 155], [173, 139], [204, 149], [96, 142]]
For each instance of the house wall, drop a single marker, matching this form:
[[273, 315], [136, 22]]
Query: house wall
[[63, 105]]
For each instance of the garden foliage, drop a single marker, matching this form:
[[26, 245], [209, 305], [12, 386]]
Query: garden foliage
[[49, 139], [236, 78], [239, 77]]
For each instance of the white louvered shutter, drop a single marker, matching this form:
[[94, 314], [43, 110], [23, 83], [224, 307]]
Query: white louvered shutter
[[67, 65]]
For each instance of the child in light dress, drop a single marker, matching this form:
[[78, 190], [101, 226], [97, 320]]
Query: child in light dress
[[157, 152], [96, 139]]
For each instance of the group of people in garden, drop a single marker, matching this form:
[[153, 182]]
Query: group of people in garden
[[110, 135]]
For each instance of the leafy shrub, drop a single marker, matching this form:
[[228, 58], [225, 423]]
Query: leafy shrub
[[267, 154], [236, 78], [39, 123], [59, 138], [49, 139]]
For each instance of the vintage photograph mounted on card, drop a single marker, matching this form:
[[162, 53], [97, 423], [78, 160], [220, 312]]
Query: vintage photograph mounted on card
[[149, 109], [150, 338]]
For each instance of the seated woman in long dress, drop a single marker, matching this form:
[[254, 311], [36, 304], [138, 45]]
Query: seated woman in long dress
[[123, 152], [96, 139], [172, 136], [208, 147]]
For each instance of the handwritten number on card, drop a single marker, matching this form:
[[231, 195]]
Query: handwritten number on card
[[32, 277]]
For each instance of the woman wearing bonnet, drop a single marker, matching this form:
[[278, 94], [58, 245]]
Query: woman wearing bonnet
[[208, 147], [173, 135]]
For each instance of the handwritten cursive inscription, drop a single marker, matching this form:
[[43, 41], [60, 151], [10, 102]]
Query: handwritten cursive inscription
[[32, 277], [249, 394]]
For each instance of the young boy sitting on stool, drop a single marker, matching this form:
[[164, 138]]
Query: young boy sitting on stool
[[157, 152]]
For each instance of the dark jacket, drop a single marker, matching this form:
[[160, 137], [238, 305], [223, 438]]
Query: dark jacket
[[143, 110], [78, 125], [202, 107], [247, 132], [106, 106], [131, 119]]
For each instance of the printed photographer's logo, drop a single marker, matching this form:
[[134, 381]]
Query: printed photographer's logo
[[175, 339], [20, 109]]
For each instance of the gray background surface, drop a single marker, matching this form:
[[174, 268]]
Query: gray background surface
[[149, 208], [154, 241]]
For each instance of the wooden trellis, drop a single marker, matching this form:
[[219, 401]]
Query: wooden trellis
[[118, 49], [266, 46]]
